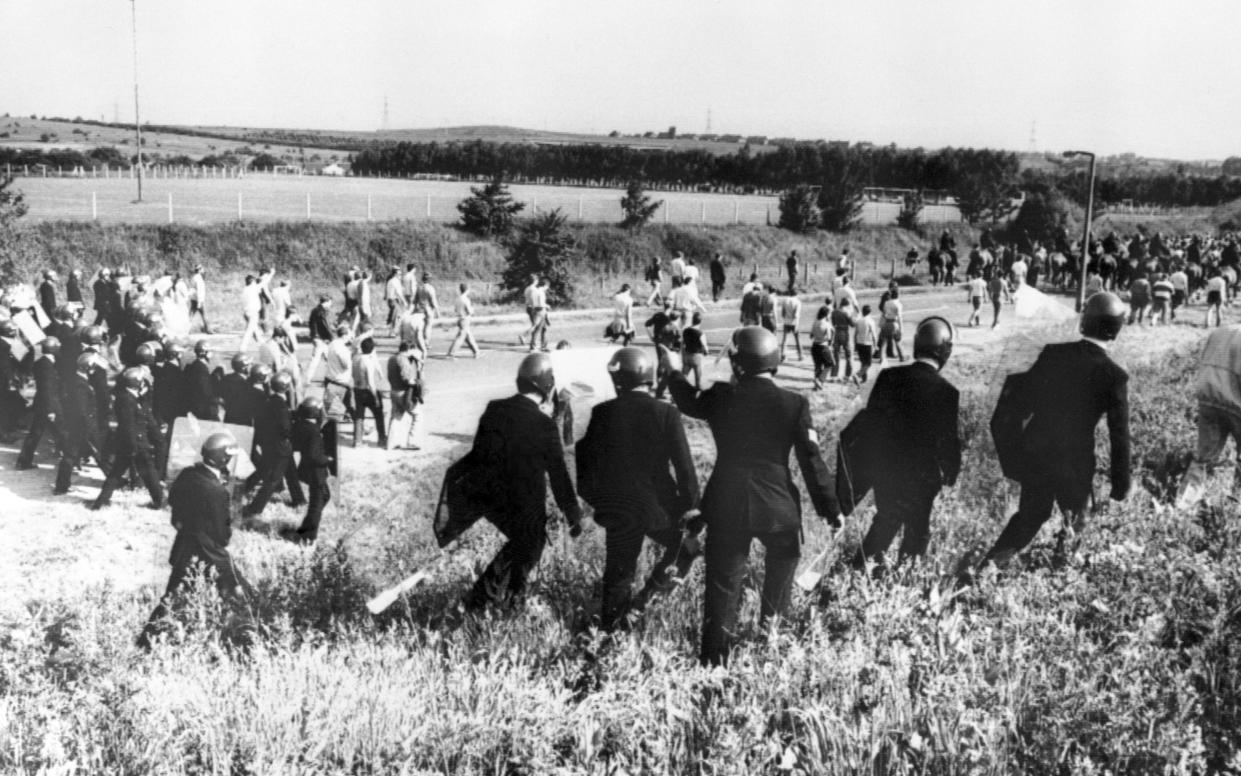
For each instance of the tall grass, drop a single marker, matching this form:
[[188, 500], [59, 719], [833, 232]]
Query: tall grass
[[1124, 660]]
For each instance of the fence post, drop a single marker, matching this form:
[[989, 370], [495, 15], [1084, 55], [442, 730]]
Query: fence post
[[428, 206], [368, 207], [239, 206], [170, 207], [580, 200], [307, 206], [94, 207], [702, 219], [666, 208], [736, 211]]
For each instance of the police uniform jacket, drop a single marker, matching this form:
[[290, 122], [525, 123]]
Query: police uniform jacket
[[625, 462], [200, 513], [307, 440], [273, 427], [47, 387], [756, 424], [168, 398], [81, 423], [920, 409], [200, 388], [1073, 385], [238, 404], [47, 297], [521, 447], [133, 419], [70, 348]]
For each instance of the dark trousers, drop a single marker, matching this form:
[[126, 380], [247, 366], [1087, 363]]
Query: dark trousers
[[898, 508], [625, 537], [1034, 509], [728, 556], [373, 400], [717, 288], [233, 588], [71, 454], [39, 425], [276, 467], [503, 582], [320, 494], [121, 463]]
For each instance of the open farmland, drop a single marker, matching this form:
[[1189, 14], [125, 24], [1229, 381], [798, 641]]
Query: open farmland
[[264, 197]]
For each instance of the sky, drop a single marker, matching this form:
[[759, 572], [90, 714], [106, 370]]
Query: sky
[[1154, 78]]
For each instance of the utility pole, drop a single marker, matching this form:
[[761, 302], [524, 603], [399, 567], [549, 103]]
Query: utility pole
[[133, 6], [1081, 288]]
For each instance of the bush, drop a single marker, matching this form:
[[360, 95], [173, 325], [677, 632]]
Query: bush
[[543, 248], [798, 210], [911, 210], [637, 206], [490, 211], [1041, 216], [840, 201]]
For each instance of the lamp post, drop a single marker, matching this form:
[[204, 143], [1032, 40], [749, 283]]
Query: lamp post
[[133, 6], [1081, 287]]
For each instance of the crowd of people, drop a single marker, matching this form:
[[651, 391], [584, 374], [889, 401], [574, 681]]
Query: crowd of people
[[112, 390]]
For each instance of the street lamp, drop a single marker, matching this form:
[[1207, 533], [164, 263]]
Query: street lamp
[[1081, 287]]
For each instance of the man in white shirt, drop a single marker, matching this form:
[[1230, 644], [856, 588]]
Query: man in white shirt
[[689, 275], [426, 303], [677, 267], [684, 300], [251, 308], [338, 373], [789, 309], [394, 295], [465, 311], [1019, 270], [1180, 289], [844, 292], [198, 298], [865, 333], [527, 295], [621, 326], [409, 283], [281, 301], [538, 306]]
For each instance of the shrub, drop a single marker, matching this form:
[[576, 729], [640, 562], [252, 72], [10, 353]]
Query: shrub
[[543, 248], [798, 210], [911, 210], [490, 210], [840, 201], [637, 206]]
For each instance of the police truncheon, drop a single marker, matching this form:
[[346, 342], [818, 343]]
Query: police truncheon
[[331, 447]]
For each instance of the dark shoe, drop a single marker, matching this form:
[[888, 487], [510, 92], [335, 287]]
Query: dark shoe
[[60, 491], [95, 506], [21, 467], [297, 504]]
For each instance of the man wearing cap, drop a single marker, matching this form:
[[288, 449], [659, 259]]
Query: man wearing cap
[[625, 466], [920, 445], [519, 445], [199, 498], [312, 466], [200, 385], [46, 412], [234, 392], [750, 495], [1070, 387]]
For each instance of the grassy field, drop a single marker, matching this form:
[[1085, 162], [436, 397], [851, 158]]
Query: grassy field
[[266, 198], [1122, 661]]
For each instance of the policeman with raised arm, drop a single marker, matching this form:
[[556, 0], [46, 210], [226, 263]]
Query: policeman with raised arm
[[751, 494]]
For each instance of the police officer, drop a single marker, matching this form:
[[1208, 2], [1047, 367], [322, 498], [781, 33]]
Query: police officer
[[131, 442], [751, 494], [1071, 386], [200, 385], [200, 513], [62, 328], [921, 451], [46, 412], [625, 466], [234, 392], [168, 392], [273, 433], [520, 445], [81, 427], [312, 465], [93, 345]]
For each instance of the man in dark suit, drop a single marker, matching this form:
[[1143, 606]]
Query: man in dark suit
[[200, 385], [106, 297], [521, 446], [73, 287], [62, 328], [1071, 386], [234, 393], [312, 465], [92, 339], [47, 293], [624, 470], [46, 413], [131, 444], [200, 512], [168, 400], [921, 448], [81, 427], [273, 433], [751, 494]]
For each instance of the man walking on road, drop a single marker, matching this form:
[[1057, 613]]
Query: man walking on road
[[465, 311]]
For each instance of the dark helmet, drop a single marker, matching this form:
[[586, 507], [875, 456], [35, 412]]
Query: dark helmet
[[535, 375], [1103, 316], [7, 328], [50, 345], [311, 408], [147, 353], [134, 378], [260, 374], [933, 339], [202, 348], [63, 313], [172, 351], [754, 351], [281, 382], [631, 367], [219, 449], [92, 336], [241, 362]]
